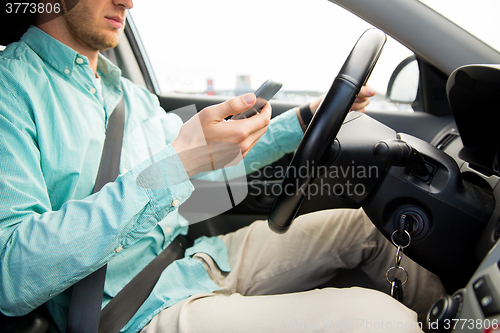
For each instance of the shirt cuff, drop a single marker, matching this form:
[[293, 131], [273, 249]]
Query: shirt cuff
[[165, 181]]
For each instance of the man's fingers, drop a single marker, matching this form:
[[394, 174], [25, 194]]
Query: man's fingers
[[242, 128], [224, 154], [366, 91], [259, 120], [360, 106], [233, 106], [363, 98], [252, 139]]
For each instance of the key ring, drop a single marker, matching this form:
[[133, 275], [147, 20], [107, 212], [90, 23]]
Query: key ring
[[394, 242], [396, 267]]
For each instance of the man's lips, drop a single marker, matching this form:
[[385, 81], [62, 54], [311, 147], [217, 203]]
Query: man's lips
[[116, 21]]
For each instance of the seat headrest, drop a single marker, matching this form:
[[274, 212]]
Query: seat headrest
[[13, 27]]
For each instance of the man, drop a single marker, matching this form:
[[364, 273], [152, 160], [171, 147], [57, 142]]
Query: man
[[57, 96]]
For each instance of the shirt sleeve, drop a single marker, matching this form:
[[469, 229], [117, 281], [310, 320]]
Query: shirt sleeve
[[283, 136], [42, 251]]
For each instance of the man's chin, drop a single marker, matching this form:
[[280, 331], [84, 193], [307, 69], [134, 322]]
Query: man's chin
[[106, 42], [111, 45]]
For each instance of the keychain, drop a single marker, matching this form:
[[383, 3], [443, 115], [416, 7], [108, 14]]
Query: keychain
[[397, 284]]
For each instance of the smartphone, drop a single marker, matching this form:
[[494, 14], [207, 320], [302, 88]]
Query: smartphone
[[265, 92]]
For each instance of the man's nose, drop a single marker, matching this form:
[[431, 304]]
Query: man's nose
[[128, 4]]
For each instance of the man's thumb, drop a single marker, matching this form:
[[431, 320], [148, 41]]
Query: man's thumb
[[236, 105]]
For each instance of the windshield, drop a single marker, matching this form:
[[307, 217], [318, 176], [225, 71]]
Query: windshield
[[478, 17]]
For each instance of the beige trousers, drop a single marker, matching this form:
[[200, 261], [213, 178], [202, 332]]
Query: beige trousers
[[262, 292]]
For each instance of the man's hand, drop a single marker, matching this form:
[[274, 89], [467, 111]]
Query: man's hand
[[207, 142], [363, 99], [359, 104]]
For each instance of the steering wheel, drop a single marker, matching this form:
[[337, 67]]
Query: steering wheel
[[315, 149]]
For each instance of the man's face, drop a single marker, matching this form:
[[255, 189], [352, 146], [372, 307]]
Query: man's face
[[98, 23]]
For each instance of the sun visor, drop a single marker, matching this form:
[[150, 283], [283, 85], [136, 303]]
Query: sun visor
[[472, 93]]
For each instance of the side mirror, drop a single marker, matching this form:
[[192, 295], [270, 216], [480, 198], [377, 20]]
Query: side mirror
[[404, 81]]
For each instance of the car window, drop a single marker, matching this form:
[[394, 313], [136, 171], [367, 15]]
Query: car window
[[227, 47]]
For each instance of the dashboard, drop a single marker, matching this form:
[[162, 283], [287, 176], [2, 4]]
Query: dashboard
[[474, 307]]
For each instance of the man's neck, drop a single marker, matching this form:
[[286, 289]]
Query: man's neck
[[60, 32]]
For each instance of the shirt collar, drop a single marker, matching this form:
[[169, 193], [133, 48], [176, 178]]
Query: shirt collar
[[57, 54], [63, 58]]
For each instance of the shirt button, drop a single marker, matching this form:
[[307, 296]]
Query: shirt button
[[119, 249], [79, 61], [66, 71], [93, 90], [168, 229], [176, 202]]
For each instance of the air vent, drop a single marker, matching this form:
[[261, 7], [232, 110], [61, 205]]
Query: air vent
[[446, 140]]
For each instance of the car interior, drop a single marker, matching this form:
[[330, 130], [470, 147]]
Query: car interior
[[438, 167]]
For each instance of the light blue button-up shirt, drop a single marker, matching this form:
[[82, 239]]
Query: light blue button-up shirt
[[53, 230]]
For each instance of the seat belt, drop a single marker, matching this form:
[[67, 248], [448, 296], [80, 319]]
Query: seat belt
[[86, 297], [125, 304]]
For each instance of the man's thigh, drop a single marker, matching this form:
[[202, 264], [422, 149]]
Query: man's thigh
[[305, 257], [349, 310]]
